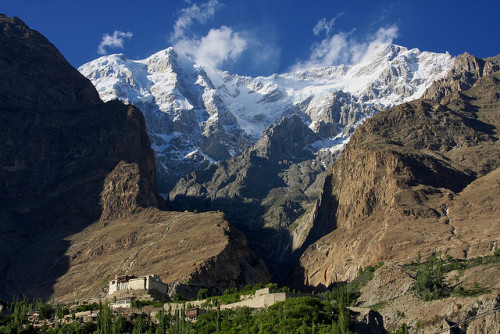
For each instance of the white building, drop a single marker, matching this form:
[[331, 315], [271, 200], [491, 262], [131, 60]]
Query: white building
[[131, 282], [125, 303]]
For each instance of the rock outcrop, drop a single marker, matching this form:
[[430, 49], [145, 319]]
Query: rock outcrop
[[390, 292], [409, 182], [71, 168]]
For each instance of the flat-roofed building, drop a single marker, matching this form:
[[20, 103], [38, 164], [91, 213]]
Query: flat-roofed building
[[131, 282]]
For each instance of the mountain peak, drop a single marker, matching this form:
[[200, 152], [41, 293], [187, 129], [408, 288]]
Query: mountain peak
[[23, 54], [287, 139], [196, 117]]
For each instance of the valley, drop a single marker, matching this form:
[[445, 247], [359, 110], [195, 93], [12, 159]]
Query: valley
[[373, 188]]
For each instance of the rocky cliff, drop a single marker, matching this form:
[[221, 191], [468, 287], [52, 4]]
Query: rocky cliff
[[464, 73], [70, 163], [29, 61], [266, 191], [408, 183]]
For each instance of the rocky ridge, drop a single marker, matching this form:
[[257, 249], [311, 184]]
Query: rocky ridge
[[21, 61], [409, 183], [466, 70], [264, 191], [74, 188]]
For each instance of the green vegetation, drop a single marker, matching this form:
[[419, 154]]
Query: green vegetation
[[430, 284], [178, 298], [351, 291], [402, 330], [141, 303], [18, 321], [474, 291], [364, 276], [203, 294], [233, 295], [298, 315], [87, 307]]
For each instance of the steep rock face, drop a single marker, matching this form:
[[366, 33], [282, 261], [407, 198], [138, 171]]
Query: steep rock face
[[61, 142], [256, 172], [404, 171], [71, 164], [30, 61], [288, 140], [466, 70], [264, 191]]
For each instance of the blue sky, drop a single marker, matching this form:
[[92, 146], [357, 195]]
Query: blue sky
[[260, 37]]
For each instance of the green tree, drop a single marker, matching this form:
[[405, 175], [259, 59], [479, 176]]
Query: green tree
[[45, 311], [104, 320], [202, 294], [138, 326], [118, 325]]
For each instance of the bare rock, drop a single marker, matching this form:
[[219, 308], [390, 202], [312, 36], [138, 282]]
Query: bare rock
[[466, 71], [403, 174]]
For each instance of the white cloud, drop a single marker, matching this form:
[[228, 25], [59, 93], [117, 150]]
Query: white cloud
[[324, 25], [113, 41], [342, 48], [218, 46], [201, 13], [222, 47]]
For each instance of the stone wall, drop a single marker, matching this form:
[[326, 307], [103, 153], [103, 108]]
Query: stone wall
[[153, 282]]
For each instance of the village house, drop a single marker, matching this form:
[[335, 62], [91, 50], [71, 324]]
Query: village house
[[124, 303], [131, 282]]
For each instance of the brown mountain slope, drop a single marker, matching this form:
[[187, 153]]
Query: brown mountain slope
[[77, 178], [172, 245], [421, 177]]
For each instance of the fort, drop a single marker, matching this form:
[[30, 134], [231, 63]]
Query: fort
[[150, 283]]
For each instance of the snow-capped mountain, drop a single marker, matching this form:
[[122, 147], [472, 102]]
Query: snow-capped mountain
[[196, 116]]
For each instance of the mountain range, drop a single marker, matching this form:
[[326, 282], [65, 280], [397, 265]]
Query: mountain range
[[215, 133], [79, 201], [196, 116], [213, 180]]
